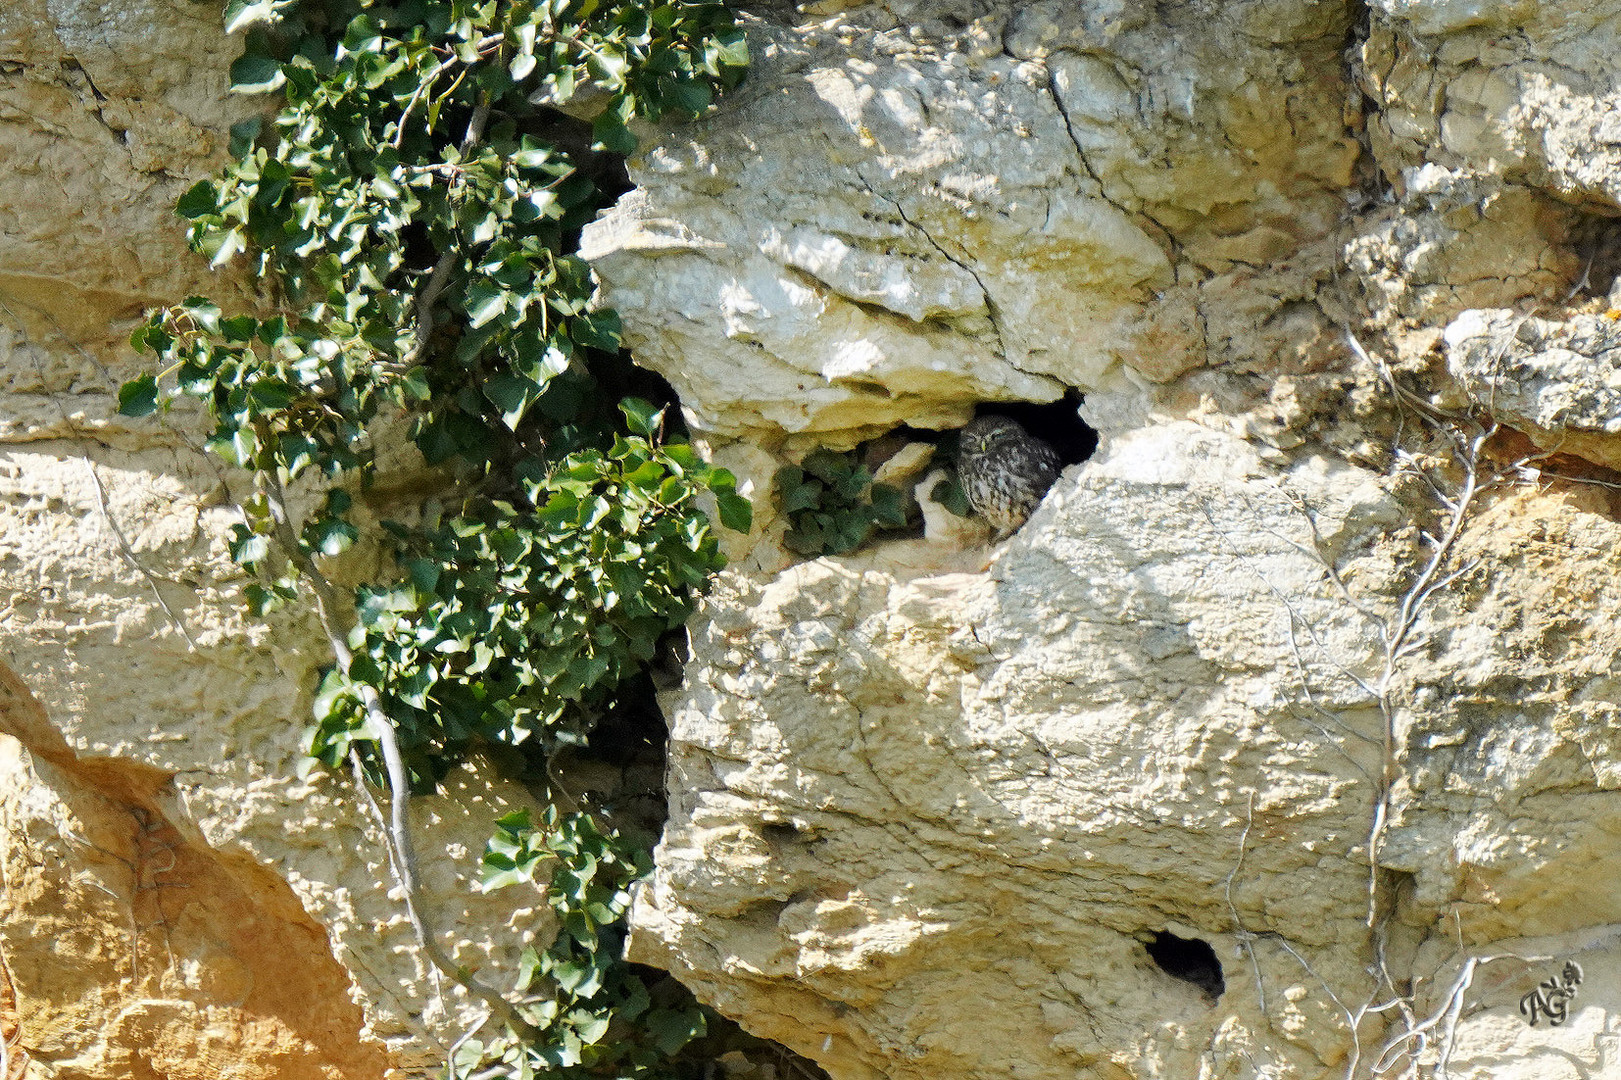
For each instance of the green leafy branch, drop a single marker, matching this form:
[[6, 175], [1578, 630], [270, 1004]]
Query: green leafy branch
[[413, 217], [599, 1016]]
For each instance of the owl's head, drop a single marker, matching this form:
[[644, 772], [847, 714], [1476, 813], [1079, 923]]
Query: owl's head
[[982, 435]]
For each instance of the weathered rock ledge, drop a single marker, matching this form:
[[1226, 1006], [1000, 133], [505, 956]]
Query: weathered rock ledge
[[932, 802]]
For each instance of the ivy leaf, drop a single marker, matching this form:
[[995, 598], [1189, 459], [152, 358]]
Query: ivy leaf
[[609, 134], [641, 416], [256, 73], [331, 536], [598, 330], [731, 48], [949, 494], [221, 246], [138, 397], [671, 1030], [512, 395], [484, 301], [199, 199]]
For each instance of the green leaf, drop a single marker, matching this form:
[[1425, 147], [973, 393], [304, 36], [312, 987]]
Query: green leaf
[[271, 394], [642, 417], [736, 512], [609, 134], [221, 246], [243, 135], [731, 48], [201, 198], [415, 384], [689, 97], [671, 1030], [330, 536], [138, 397], [597, 330], [484, 301], [949, 494], [512, 395], [889, 506], [256, 73]]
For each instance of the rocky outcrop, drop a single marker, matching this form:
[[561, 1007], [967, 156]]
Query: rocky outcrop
[[1557, 381], [1309, 663], [915, 807], [907, 212], [1295, 700], [176, 902]]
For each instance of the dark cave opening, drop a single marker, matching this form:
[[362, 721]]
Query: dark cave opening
[[1190, 959], [1058, 422], [1596, 240]]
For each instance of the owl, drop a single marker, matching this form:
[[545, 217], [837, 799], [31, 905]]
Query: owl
[[1004, 471]]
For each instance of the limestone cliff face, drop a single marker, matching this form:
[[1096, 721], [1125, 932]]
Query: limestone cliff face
[[174, 902], [1324, 628], [931, 811]]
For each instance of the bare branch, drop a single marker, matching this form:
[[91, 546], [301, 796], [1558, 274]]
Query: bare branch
[[440, 277], [1245, 938], [403, 857]]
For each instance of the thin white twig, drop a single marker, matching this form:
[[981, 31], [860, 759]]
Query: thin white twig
[[450, 1055], [1445, 1017], [126, 551], [327, 605], [1245, 938]]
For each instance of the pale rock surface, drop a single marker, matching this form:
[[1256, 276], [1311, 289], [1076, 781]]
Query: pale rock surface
[[175, 902], [927, 811], [929, 800], [911, 807], [1557, 381], [894, 220], [1520, 91]]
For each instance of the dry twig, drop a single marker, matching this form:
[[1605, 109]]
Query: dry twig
[[403, 856]]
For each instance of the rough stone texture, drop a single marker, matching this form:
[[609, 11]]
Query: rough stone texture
[[140, 951], [1557, 381], [144, 770], [914, 807], [928, 810], [895, 219], [1524, 92], [930, 800], [907, 803]]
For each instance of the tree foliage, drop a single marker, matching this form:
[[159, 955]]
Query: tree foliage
[[412, 213]]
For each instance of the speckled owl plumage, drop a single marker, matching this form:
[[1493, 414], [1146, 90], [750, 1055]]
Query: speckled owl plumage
[[1004, 471]]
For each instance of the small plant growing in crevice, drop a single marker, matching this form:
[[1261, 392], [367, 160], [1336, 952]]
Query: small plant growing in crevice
[[832, 504], [947, 491]]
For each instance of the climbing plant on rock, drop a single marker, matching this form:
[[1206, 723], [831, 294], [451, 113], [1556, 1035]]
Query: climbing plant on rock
[[411, 214]]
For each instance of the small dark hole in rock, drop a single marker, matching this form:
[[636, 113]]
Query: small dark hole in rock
[[1189, 959], [1596, 240], [780, 832], [1058, 422]]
